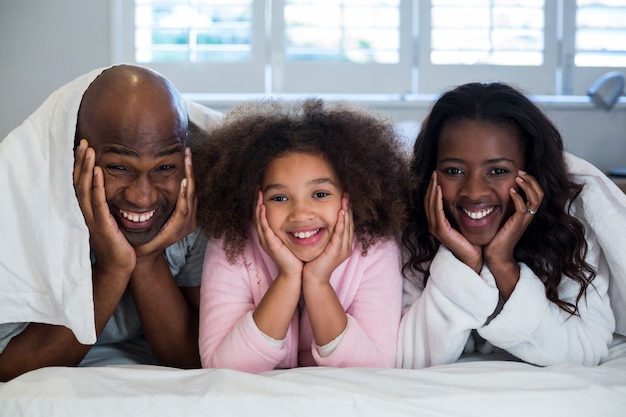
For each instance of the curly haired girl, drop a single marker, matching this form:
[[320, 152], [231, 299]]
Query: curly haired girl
[[499, 252], [305, 201]]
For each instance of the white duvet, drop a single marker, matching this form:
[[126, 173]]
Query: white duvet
[[605, 210], [462, 389]]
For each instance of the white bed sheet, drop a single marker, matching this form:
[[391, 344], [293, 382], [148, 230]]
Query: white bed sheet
[[486, 388]]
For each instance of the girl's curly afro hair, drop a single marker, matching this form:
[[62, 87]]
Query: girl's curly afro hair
[[362, 147]]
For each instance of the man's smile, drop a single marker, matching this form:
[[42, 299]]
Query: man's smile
[[137, 217]]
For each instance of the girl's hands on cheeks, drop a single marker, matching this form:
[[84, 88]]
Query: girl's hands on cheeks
[[182, 221], [337, 250], [113, 252], [288, 264], [442, 230]]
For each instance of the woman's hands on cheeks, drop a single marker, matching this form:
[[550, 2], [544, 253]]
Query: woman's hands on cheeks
[[336, 251], [113, 252], [503, 244], [499, 252], [182, 221], [442, 230]]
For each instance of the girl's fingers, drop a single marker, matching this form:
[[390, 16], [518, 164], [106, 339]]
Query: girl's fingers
[[267, 237], [348, 223], [259, 217]]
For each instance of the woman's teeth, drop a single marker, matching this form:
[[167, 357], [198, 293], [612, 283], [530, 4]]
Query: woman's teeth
[[305, 235], [137, 218], [477, 215]]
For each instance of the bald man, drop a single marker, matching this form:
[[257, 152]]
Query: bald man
[[135, 187]]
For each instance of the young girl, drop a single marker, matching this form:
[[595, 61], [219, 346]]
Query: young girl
[[496, 240], [307, 201]]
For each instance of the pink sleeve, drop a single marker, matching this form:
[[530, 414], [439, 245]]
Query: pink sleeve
[[370, 339], [228, 337]]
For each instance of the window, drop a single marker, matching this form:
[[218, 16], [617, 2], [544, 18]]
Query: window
[[494, 33], [600, 34], [594, 41], [391, 47], [209, 31], [345, 31]]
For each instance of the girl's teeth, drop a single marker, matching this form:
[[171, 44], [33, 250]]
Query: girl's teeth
[[137, 218], [306, 235], [477, 215]]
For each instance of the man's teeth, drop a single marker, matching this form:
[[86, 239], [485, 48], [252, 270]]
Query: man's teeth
[[137, 218], [306, 235], [477, 215]]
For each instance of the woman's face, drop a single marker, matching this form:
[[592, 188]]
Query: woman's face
[[302, 197], [477, 163]]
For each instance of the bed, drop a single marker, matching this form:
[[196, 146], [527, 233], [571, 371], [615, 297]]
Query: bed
[[466, 388], [474, 388]]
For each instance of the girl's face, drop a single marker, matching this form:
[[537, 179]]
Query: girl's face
[[477, 164], [302, 198]]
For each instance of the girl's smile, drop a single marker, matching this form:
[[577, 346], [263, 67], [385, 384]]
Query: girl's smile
[[308, 238], [303, 199], [477, 164]]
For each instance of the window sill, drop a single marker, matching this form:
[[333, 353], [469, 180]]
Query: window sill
[[390, 101]]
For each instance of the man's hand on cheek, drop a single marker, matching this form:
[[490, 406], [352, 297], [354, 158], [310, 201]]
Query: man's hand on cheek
[[113, 252]]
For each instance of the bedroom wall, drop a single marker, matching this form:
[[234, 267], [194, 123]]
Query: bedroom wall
[[46, 43]]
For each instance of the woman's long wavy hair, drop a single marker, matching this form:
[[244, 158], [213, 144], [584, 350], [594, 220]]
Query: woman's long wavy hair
[[554, 244]]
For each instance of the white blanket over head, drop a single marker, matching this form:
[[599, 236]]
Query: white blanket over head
[[604, 207], [45, 267]]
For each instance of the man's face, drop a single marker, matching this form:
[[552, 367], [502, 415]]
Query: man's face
[[141, 151]]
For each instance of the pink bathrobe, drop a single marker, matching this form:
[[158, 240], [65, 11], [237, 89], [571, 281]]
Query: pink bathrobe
[[368, 287]]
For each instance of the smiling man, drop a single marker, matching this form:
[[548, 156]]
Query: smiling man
[[134, 182]]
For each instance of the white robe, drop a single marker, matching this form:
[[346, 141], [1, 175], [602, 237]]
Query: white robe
[[439, 318]]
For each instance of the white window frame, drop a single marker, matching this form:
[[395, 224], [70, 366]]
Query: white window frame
[[269, 72], [539, 79], [342, 77], [248, 77], [575, 80]]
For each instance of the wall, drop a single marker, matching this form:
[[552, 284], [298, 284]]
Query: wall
[[43, 45], [46, 43]]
